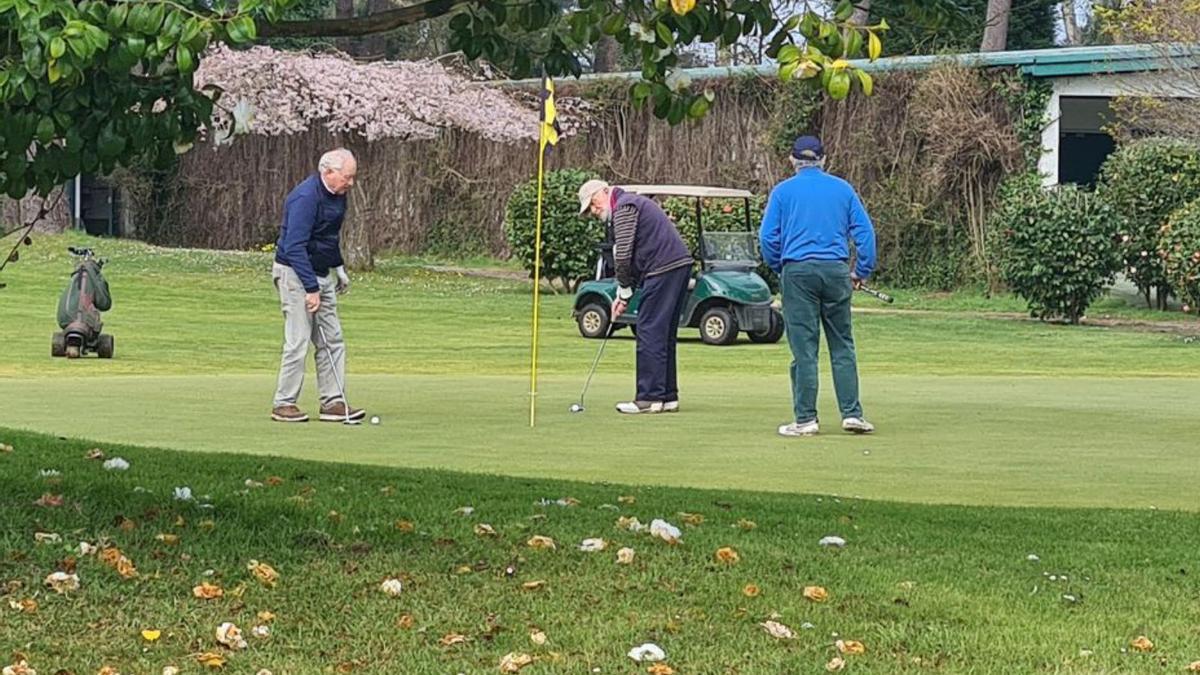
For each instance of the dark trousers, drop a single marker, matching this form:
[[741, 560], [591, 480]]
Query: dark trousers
[[817, 293], [662, 300]]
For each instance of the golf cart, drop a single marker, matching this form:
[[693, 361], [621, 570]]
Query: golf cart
[[79, 308], [726, 295]]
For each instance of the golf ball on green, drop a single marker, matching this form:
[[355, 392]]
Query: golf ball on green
[[375, 419]]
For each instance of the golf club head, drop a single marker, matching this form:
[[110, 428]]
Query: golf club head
[[576, 407], [352, 423]]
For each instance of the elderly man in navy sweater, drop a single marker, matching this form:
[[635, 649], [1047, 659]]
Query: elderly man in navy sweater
[[809, 223], [647, 251], [309, 274]]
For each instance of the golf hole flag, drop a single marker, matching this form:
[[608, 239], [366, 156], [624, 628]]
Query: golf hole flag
[[548, 136]]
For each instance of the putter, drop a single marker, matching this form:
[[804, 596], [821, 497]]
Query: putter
[[337, 380], [877, 294], [578, 407]]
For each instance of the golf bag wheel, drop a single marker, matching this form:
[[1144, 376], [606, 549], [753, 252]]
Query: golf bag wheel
[[105, 346], [772, 334], [58, 345], [718, 326], [593, 321]]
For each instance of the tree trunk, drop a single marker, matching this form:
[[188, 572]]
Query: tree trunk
[[1071, 22], [995, 30], [608, 52], [862, 12]]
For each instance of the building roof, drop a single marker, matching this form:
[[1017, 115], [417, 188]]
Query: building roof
[[1058, 62], [688, 191]]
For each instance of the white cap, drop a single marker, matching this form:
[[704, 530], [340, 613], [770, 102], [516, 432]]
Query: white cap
[[587, 190]]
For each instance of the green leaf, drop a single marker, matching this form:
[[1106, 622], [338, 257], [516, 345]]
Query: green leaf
[[116, 17], [183, 59], [641, 91], [664, 34], [854, 43], [732, 31], [136, 46], [45, 130], [699, 108], [788, 70], [868, 84], [788, 54], [613, 24], [154, 18], [58, 47], [53, 73], [845, 8], [874, 45]]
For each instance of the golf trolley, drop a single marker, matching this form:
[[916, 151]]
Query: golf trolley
[[79, 308]]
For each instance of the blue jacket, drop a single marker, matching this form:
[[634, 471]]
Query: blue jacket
[[813, 216], [308, 237]]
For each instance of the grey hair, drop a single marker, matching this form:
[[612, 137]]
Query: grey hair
[[799, 164], [334, 160]]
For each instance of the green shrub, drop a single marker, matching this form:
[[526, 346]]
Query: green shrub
[[1145, 182], [568, 239], [1057, 249], [1179, 249]]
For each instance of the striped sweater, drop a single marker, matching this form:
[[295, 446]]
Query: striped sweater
[[646, 242]]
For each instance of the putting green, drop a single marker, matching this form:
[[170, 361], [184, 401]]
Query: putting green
[[980, 440]]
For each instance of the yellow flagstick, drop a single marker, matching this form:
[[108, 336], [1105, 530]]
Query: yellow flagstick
[[537, 282]]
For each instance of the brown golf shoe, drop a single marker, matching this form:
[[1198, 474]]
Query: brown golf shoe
[[336, 412], [288, 413]]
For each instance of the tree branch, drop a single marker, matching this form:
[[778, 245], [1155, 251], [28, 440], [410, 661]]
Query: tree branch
[[381, 22]]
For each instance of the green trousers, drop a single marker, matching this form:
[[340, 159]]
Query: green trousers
[[817, 293]]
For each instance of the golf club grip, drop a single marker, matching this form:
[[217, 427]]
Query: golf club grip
[[878, 294]]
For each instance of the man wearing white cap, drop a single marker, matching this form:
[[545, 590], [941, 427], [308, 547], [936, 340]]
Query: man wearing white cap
[[649, 252]]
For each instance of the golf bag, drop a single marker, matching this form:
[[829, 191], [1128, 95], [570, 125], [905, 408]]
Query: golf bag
[[79, 308]]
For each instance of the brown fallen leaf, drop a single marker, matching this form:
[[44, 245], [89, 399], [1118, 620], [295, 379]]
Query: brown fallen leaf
[[405, 621], [777, 630], [514, 662], [273, 481], [335, 517], [180, 522], [533, 585], [126, 568], [21, 666], [750, 590], [266, 616], [108, 670], [626, 499], [125, 524], [405, 526], [1141, 644], [49, 501], [746, 524], [727, 555], [485, 530], [264, 573], [27, 606], [451, 639], [168, 539], [850, 647], [835, 664], [540, 542], [206, 525], [211, 659], [691, 518], [1194, 667], [207, 591], [94, 454], [660, 669], [537, 636], [816, 593]]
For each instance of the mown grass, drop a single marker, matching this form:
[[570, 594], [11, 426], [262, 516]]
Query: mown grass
[[925, 589]]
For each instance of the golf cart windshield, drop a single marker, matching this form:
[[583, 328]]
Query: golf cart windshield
[[729, 249]]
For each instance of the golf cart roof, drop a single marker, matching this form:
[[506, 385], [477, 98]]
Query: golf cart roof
[[688, 191]]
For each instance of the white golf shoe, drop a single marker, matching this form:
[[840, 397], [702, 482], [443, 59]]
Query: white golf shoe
[[670, 406], [639, 407], [796, 429], [857, 425]]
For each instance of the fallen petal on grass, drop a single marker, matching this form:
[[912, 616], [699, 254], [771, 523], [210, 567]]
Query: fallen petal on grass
[[265, 574], [540, 542], [831, 541], [151, 635], [1141, 644], [850, 647], [727, 555], [835, 664], [451, 639], [816, 593], [62, 583], [592, 545], [485, 530], [777, 630], [647, 652], [231, 636], [537, 637], [207, 591], [514, 662], [665, 531], [625, 556], [391, 586]]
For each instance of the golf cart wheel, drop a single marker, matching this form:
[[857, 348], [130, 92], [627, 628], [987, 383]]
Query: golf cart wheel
[[105, 346], [772, 334], [58, 345], [593, 321], [73, 350], [718, 326]]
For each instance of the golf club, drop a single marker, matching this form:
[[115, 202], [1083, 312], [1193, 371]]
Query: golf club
[[578, 407], [877, 294], [336, 379]]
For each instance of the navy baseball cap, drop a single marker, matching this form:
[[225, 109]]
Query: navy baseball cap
[[808, 147]]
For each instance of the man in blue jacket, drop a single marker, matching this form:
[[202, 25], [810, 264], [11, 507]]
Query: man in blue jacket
[[309, 273], [809, 223], [647, 251]]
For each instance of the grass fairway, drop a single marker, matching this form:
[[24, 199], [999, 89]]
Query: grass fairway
[[924, 588], [971, 410]]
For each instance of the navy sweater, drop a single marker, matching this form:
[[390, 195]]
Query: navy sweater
[[646, 242], [308, 237]]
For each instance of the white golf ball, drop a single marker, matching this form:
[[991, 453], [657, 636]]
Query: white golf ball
[[375, 419]]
